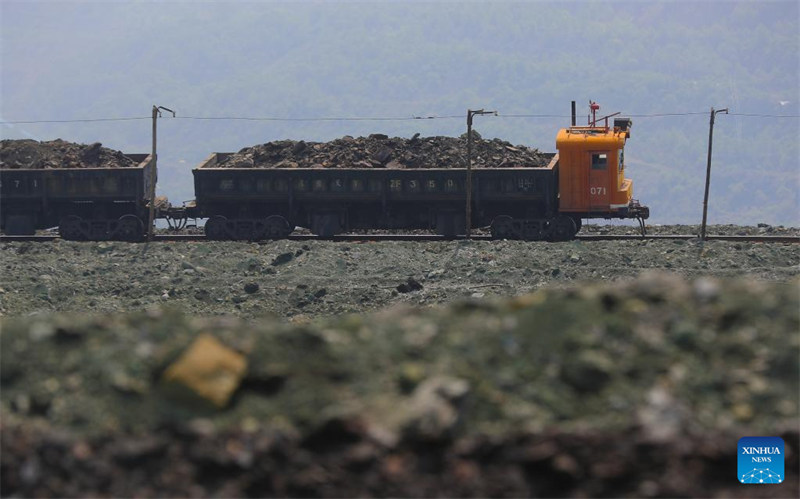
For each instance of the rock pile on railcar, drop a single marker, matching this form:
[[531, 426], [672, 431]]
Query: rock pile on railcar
[[58, 154], [381, 151]]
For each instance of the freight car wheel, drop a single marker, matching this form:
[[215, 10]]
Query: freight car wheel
[[533, 229], [578, 224], [502, 227], [130, 228], [276, 226], [563, 229], [215, 228], [70, 228]]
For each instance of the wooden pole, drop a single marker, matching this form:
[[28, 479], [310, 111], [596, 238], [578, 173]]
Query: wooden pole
[[468, 187], [470, 114], [708, 170], [154, 172], [153, 179]]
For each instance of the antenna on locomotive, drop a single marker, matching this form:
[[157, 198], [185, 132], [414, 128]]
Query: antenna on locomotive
[[594, 107], [151, 195]]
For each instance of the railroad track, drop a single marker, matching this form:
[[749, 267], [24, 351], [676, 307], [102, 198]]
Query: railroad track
[[434, 237]]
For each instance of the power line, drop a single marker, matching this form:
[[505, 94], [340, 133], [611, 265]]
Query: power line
[[88, 120], [661, 115], [370, 118], [365, 118], [530, 116], [239, 118], [765, 115]]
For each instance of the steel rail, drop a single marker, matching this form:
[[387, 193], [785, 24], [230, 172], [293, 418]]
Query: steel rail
[[434, 237]]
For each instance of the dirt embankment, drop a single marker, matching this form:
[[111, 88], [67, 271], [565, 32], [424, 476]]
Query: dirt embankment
[[639, 388], [381, 151], [313, 278]]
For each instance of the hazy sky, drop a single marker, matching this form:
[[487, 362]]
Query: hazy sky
[[86, 60]]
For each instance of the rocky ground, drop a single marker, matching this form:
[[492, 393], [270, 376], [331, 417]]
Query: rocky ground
[[308, 279], [381, 151], [460, 368], [59, 153]]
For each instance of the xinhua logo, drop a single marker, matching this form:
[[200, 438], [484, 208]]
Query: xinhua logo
[[760, 460]]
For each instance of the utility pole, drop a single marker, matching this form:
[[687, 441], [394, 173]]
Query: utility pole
[[154, 172], [470, 114], [708, 169]]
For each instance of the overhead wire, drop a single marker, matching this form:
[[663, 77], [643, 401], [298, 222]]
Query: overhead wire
[[84, 120], [352, 118], [369, 118], [749, 115]]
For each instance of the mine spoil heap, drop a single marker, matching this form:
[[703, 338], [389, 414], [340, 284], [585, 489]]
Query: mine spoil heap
[[59, 154], [381, 151]]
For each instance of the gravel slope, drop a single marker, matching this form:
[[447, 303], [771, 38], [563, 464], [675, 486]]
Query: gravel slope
[[291, 278]]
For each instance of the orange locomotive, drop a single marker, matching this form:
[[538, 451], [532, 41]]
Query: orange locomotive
[[592, 181]]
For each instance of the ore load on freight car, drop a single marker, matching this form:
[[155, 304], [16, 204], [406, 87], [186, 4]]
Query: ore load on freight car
[[90, 192], [381, 151], [384, 183]]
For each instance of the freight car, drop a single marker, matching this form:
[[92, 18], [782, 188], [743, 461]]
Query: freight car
[[85, 203], [585, 179]]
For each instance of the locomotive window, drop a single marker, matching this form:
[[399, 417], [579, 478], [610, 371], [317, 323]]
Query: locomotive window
[[599, 161], [226, 185], [357, 185], [262, 185], [430, 185], [318, 185], [450, 185], [621, 158], [395, 185], [337, 185], [412, 185]]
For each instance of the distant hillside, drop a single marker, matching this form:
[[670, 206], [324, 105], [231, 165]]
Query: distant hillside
[[305, 60]]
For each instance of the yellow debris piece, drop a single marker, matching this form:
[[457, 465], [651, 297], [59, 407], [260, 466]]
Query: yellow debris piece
[[209, 369]]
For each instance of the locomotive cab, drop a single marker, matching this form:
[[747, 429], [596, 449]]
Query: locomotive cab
[[592, 181]]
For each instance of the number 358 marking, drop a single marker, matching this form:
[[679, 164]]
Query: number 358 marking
[[597, 191]]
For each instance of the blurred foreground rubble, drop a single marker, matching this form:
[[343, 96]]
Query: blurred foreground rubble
[[633, 389]]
